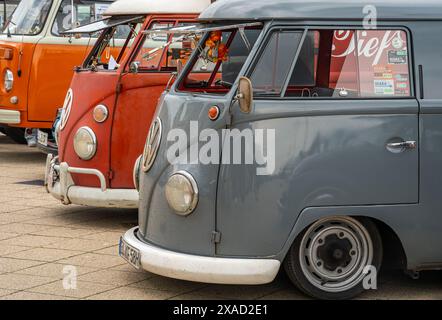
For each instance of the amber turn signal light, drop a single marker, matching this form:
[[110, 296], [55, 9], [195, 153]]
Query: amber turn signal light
[[213, 113]]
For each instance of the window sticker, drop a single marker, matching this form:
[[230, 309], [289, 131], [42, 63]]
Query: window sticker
[[384, 87], [397, 57]]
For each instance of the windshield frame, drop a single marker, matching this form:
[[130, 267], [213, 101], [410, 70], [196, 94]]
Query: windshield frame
[[6, 29], [147, 32], [102, 38], [180, 85]]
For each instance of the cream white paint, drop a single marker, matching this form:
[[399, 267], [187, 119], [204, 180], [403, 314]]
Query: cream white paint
[[66, 191], [203, 269], [9, 116], [145, 7]]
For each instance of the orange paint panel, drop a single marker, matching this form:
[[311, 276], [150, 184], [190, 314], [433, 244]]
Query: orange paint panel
[[51, 73], [122, 136], [133, 115]]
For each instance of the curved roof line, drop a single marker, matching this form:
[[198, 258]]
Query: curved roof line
[[323, 10], [145, 7]]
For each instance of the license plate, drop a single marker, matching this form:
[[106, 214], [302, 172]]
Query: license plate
[[130, 254], [42, 138]]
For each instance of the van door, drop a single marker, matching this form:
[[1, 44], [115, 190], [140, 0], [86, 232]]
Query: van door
[[148, 73], [55, 57], [335, 120]]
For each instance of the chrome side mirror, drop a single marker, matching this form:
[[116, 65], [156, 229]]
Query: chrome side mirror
[[134, 67], [245, 95]]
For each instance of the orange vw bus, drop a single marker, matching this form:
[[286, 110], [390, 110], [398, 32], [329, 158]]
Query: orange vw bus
[[37, 60], [112, 99]]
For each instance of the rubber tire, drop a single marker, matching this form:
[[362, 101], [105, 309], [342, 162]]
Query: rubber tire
[[294, 271], [16, 134]]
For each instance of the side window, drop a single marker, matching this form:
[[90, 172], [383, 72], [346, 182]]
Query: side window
[[81, 13], [344, 64], [274, 64]]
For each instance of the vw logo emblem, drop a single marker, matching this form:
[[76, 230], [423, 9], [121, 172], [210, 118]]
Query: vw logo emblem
[[152, 144]]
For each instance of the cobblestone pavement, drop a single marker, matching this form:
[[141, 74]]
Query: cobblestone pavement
[[39, 238]]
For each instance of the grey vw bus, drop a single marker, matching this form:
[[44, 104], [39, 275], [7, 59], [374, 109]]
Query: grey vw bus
[[343, 101]]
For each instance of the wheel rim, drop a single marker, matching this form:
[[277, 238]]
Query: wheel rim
[[334, 252]]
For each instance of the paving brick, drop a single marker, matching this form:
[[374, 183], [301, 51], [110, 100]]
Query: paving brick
[[168, 284], [13, 264], [119, 278], [126, 293], [25, 295], [83, 289], [94, 260], [55, 270], [44, 254], [21, 282]]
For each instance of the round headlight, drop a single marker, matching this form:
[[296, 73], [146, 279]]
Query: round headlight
[[100, 113], [8, 80], [85, 143], [182, 193]]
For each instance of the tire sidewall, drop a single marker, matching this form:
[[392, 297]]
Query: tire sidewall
[[294, 271]]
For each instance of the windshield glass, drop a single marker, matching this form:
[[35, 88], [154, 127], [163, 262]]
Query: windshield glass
[[163, 52], [29, 17], [76, 13], [221, 57], [112, 46]]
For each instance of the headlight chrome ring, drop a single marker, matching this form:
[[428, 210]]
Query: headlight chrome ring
[[85, 143], [182, 193], [100, 113]]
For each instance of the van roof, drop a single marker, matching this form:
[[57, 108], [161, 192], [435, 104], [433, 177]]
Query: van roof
[[145, 7], [322, 10]]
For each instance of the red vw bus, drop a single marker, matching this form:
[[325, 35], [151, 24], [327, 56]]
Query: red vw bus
[[112, 98]]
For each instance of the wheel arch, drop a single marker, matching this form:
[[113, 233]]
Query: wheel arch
[[394, 252]]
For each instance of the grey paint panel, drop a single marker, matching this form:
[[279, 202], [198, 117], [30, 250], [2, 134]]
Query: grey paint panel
[[320, 161], [321, 10], [158, 222]]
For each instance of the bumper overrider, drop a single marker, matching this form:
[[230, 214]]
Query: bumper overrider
[[59, 183], [9, 116], [201, 268]]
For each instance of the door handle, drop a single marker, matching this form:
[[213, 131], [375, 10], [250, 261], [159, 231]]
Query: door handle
[[397, 147]]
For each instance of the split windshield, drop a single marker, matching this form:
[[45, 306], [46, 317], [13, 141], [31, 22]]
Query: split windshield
[[112, 46], [221, 56], [163, 52], [29, 17]]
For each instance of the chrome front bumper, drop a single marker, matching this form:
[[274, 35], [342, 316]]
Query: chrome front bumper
[[9, 116], [202, 269], [59, 183]]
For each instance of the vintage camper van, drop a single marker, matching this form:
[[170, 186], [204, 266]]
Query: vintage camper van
[[111, 101], [37, 60], [330, 136]]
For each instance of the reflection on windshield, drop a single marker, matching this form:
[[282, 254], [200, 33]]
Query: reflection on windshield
[[164, 52], [113, 45], [221, 57], [29, 17]]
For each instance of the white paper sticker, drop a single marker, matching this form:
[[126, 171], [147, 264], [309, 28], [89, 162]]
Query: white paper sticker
[[112, 63]]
